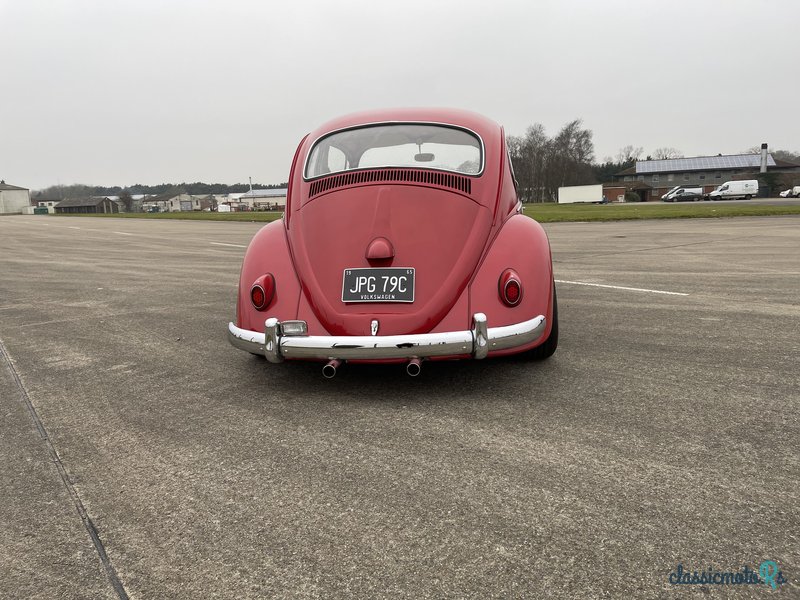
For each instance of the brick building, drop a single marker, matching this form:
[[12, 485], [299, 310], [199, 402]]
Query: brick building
[[650, 179]]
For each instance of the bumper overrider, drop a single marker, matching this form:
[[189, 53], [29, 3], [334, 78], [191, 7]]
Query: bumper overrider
[[281, 341]]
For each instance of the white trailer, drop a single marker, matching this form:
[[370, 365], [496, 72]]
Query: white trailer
[[580, 193]]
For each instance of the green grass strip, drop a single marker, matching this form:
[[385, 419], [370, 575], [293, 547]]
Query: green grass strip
[[553, 213], [544, 213]]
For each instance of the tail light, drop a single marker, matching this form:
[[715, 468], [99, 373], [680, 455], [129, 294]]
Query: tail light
[[510, 287], [263, 291]]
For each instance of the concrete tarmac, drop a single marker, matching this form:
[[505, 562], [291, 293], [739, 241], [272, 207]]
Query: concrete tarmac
[[664, 430]]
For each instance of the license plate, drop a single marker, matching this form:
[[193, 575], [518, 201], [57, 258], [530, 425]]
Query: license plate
[[394, 284]]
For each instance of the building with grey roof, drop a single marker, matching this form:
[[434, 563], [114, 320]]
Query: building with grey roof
[[269, 199], [653, 178], [94, 205], [172, 202]]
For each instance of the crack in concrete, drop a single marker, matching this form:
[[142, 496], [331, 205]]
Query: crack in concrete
[[87, 521]]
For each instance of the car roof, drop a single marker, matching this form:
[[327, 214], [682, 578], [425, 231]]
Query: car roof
[[485, 128]]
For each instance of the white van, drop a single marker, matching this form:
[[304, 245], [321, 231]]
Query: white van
[[683, 194], [731, 190], [670, 192], [793, 192]]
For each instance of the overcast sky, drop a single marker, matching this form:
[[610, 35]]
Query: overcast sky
[[150, 91]]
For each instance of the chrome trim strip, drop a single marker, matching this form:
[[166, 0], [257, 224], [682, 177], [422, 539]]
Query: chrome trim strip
[[477, 342], [378, 123]]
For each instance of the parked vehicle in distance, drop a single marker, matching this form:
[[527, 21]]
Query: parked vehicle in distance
[[572, 194], [670, 191], [683, 194], [793, 192], [401, 242], [733, 190]]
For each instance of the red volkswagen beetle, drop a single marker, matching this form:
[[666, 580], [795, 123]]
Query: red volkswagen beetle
[[402, 241]]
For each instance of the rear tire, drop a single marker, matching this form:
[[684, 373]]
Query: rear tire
[[546, 349], [748, 197]]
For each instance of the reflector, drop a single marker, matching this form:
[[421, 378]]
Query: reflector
[[512, 291], [263, 291], [510, 287], [257, 296]]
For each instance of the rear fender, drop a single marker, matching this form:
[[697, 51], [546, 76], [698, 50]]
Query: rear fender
[[268, 252], [521, 245]]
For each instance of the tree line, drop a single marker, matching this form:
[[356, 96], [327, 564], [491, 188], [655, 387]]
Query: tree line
[[543, 163], [198, 188]]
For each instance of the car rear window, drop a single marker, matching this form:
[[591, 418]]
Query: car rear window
[[415, 145]]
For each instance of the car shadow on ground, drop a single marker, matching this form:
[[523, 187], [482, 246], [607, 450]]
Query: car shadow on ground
[[459, 380]]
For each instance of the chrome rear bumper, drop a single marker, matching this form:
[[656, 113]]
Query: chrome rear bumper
[[476, 342]]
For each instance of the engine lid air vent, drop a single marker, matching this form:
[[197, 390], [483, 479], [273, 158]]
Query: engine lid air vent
[[449, 180]]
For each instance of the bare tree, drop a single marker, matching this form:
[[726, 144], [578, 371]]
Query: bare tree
[[543, 164], [127, 200], [529, 155], [571, 157], [666, 153], [786, 155], [779, 154], [629, 154]]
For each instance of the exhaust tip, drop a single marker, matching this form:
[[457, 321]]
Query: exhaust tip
[[414, 367], [329, 370]]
